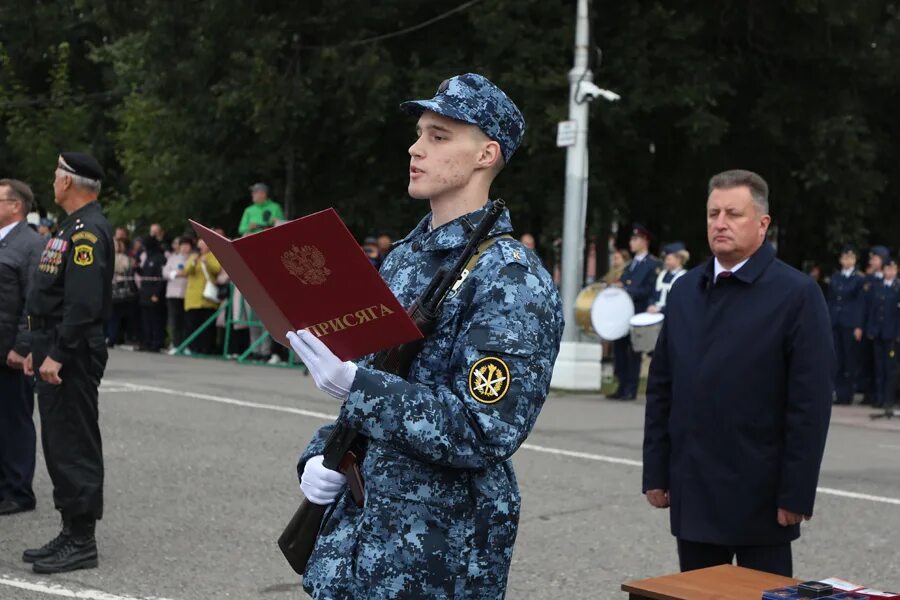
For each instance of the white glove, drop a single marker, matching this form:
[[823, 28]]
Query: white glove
[[321, 485], [332, 376]]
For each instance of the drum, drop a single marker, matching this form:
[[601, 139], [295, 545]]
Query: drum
[[645, 328], [583, 303], [610, 312]]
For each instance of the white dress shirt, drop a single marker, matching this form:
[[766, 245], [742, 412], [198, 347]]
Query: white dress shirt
[[4, 231], [719, 268]]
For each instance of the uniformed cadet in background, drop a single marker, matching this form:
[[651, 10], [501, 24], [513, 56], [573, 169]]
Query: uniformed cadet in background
[[866, 372], [441, 499], [676, 257], [67, 307], [845, 307], [639, 280], [882, 328]]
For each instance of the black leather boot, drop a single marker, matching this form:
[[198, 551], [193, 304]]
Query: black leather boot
[[79, 551], [50, 548]]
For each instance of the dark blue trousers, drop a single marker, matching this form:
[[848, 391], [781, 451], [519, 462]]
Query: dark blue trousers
[[885, 367], [846, 349], [627, 366], [17, 438], [775, 559]]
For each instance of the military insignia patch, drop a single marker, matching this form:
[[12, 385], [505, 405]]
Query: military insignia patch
[[85, 235], [489, 380], [84, 255]]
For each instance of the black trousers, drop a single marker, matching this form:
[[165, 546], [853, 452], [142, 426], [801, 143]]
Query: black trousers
[[847, 350], [176, 320], [70, 428], [775, 559], [194, 318], [153, 319], [865, 373], [17, 437], [627, 366]]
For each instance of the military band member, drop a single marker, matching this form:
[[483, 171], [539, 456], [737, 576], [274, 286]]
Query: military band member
[[67, 308], [845, 307], [676, 256], [441, 499], [638, 279]]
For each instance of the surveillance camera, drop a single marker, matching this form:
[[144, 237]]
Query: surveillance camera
[[588, 92]]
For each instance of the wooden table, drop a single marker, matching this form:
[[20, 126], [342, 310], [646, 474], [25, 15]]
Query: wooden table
[[725, 582]]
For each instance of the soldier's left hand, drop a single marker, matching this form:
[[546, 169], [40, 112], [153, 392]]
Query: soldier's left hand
[[332, 375], [14, 360], [50, 371]]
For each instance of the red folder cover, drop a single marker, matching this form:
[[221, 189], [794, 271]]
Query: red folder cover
[[311, 273]]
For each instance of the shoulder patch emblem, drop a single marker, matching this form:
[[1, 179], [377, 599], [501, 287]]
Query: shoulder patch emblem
[[85, 235], [84, 255], [489, 380]]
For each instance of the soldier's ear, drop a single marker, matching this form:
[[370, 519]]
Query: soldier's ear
[[490, 155]]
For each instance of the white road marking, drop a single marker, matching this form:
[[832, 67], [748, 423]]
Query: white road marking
[[534, 448], [52, 589]]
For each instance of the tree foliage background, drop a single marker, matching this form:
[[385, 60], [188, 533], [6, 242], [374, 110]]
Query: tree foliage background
[[187, 104]]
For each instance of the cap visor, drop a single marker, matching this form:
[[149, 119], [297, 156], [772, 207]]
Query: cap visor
[[417, 107]]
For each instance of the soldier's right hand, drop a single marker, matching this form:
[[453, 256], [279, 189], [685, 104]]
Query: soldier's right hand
[[28, 365], [857, 334], [319, 484]]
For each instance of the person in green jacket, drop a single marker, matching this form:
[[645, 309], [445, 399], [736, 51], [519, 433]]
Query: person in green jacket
[[262, 214]]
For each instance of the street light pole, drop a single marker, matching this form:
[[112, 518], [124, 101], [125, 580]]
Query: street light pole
[[576, 177], [578, 364]]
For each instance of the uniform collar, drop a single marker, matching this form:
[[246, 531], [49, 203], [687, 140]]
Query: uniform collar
[[455, 234], [88, 208], [749, 271]]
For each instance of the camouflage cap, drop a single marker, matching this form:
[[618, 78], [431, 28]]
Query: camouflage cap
[[472, 98]]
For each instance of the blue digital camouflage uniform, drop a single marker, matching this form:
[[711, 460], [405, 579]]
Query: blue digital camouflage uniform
[[442, 502]]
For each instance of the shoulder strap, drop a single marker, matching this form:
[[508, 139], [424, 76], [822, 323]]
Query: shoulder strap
[[482, 247]]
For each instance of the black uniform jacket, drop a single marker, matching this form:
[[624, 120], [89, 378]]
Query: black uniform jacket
[[739, 400], [72, 289]]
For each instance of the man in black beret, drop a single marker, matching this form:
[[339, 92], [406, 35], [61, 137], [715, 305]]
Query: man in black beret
[[68, 304]]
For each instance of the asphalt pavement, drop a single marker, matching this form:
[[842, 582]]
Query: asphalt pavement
[[201, 479]]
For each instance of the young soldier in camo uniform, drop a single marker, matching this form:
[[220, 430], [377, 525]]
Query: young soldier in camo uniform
[[441, 500]]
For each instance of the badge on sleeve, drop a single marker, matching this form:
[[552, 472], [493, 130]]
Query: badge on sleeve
[[489, 380], [84, 255]]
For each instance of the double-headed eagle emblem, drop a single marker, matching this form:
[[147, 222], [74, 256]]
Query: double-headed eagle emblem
[[306, 263]]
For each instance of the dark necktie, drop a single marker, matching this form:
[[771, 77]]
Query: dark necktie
[[723, 275]]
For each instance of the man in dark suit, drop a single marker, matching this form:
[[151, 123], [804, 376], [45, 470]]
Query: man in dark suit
[[845, 307], [639, 280], [739, 394], [20, 249]]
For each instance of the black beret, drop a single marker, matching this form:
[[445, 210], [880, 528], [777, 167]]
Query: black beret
[[80, 163]]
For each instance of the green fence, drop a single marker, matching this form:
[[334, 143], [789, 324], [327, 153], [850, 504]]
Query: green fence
[[245, 317]]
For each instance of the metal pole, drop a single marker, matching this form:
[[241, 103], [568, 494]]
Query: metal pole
[[576, 179]]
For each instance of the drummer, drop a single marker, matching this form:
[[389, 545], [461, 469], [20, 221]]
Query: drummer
[[637, 279], [676, 257]]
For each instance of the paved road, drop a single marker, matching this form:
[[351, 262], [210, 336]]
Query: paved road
[[201, 478]]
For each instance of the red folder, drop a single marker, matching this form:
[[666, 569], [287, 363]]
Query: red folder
[[311, 273]]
